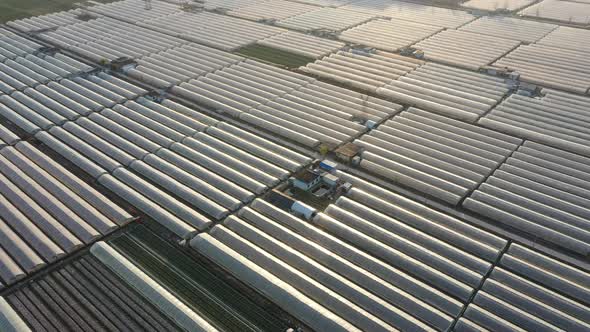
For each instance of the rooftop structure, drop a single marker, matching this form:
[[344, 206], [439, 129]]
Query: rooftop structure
[[347, 152]]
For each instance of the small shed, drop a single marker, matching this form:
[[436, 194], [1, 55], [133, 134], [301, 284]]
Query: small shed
[[303, 210], [348, 151], [328, 165], [496, 70], [331, 180]]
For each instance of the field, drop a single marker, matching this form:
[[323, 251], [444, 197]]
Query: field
[[274, 55], [15, 9]]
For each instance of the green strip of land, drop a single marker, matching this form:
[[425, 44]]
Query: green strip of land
[[17, 9], [274, 55]]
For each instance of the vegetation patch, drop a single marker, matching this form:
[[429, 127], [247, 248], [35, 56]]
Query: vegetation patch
[[441, 3], [199, 285], [274, 55], [17, 9]]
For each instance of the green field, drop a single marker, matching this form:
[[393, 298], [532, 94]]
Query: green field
[[274, 55], [15, 9]]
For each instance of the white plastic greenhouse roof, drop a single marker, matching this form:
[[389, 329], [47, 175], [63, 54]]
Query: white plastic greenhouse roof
[[46, 211], [510, 28], [457, 139], [415, 12], [564, 11], [497, 5]]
